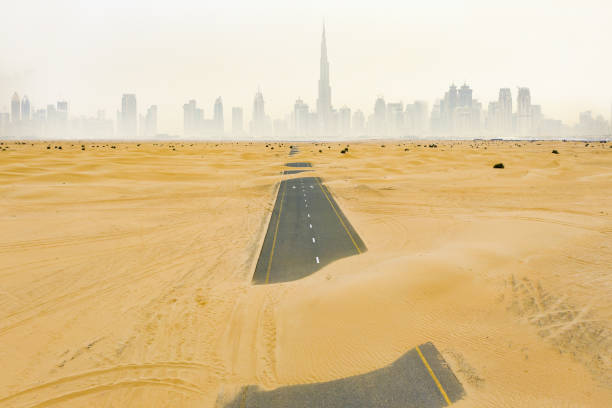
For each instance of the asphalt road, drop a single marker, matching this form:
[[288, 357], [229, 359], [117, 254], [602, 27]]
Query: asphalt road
[[420, 378], [307, 231]]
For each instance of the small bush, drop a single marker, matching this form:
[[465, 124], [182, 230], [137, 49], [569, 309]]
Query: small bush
[[498, 166], [555, 152]]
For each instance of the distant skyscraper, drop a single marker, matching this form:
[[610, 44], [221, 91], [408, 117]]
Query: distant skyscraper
[[25, 108], [15, 108], [344, 116], [301, 118], [462, 115], [536, 119], [189, 118], [358, 123], [415, 118], [465, 96], [258, 123], [324, 100], [151, 122], [380, 115], [129, 116], [395, 119], [523, 111], [62, 110], [237, 121], [504, 111], [447, 110], [218, 116]]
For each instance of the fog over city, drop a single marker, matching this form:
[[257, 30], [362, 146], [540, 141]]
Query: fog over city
[[266, 69]]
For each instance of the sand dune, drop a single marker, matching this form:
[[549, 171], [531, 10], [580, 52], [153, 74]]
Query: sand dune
[[125, 272]]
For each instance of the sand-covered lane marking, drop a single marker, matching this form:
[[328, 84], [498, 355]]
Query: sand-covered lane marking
[[406, 382], [339, 217], [433, 376], [280, 210]]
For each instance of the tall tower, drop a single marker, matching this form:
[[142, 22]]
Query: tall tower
[[15, 108], [324, 100], [129, 115], [504, 111], [25, 108], [218, 115], [258, 123], [523, 111]]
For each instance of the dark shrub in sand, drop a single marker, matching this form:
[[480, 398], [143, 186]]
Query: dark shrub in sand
[[555, 152], [498, 166]]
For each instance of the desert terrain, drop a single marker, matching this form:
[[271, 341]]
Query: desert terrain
[[125, 271]]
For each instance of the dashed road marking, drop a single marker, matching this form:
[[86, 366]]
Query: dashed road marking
[[317, 259], [313, 240], [310, 225]]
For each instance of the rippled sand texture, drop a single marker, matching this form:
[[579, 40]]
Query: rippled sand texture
[[125, 272]]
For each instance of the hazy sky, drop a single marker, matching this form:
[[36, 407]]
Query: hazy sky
[[90, 52]]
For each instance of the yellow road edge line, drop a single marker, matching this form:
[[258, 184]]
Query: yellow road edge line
[[338, 215], [280, 210], [448, 401], [243, 399]]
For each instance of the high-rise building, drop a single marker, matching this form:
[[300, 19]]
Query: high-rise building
[[150, 124], [536, 120], [395, 119], [380, 113], [15, 108], [344, 117], [189, 118], [237, 121], [358, 123], [218, 116], [415, 118], [447, 110], [25, 108], [258, 123], [129, 116], [464, 112], [301, 118], [523, 111], [504, 111], [324, 105], [465, 96], [62, 110]]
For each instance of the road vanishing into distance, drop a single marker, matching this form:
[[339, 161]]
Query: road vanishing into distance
[[307, 231]]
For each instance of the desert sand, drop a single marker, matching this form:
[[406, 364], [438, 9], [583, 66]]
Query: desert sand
[[125, 272]]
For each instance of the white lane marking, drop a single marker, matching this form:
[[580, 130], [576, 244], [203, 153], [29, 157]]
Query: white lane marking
[[306, 205], [308, 215], [313, 240], [311, 187], [293, 186], [317, 259], [310, 225]]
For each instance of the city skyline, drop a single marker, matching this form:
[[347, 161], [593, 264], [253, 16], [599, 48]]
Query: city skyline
[[413, 53], [458, 114]]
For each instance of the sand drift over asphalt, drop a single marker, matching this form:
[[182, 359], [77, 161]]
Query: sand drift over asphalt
[[125, 273]]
